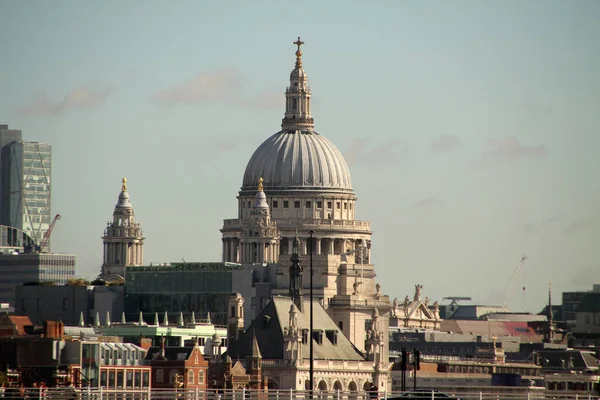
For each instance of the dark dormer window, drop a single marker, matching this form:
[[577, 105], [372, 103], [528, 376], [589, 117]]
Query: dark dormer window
[[297, 204], [308, 204], [319, 204], [266, 321], [318, 336], [286, 204], [332, 336], [275, 204]]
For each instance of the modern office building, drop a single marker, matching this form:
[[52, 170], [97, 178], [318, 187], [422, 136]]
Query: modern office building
[[16, 270], [71, 304], [26, 187], [188, 287]]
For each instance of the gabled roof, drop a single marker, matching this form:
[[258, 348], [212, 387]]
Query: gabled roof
[[268, 328]]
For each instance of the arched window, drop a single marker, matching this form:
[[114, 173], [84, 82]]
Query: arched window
[[190, 376], [200, 377]]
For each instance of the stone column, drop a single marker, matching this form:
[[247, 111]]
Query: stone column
[[303, 246], [318, 246], [331, 246]]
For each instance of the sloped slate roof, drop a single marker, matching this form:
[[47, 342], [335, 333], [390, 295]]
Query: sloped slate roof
[[268, 328], [171, 353]]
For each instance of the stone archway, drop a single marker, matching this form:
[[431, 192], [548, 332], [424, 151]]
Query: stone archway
[[353, 391], [322, 389], [322, 386]]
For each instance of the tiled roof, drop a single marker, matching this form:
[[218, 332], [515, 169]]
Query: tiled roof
[[485, 328], [20, 322]]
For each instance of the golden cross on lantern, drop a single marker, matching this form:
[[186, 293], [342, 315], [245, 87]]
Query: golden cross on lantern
[[298, 43], [124, 185]]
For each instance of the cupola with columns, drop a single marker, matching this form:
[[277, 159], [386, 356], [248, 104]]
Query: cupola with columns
[[123, 239], [297, 98]]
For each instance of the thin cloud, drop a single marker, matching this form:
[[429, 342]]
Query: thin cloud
[[445, 143], [583, 226], [226, 86], [583, 275], [267, 100], [429, 202], [363, 150], [226, 145], [539, 226], [79, 99], [209, 86], [510, 147]]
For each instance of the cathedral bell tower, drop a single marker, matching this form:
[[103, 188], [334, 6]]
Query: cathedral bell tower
[[123, 240], [259, 242]]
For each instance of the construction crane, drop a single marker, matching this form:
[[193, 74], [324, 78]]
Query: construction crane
[[513, 281], [44, 243]]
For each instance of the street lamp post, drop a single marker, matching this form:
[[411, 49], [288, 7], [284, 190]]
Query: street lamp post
[[311, 359]]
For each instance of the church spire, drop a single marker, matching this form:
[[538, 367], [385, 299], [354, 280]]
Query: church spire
[[297, 98]]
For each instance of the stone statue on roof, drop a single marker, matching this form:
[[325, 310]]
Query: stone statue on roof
[[395, 307], [418, 292]]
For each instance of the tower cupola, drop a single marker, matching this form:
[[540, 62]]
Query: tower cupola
[[297, 98], [123, 239]]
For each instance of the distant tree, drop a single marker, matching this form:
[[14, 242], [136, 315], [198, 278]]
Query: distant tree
[[78, 282]]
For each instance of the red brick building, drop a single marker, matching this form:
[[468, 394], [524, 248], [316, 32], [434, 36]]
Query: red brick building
[[172, 363]]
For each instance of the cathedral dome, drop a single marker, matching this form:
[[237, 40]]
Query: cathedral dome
[[297, 160]]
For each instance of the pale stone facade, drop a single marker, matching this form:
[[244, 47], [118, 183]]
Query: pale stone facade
[[298, 185], [123, 240], [415, 313]]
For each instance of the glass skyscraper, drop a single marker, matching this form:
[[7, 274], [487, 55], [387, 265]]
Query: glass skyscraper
[[25, 185]]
